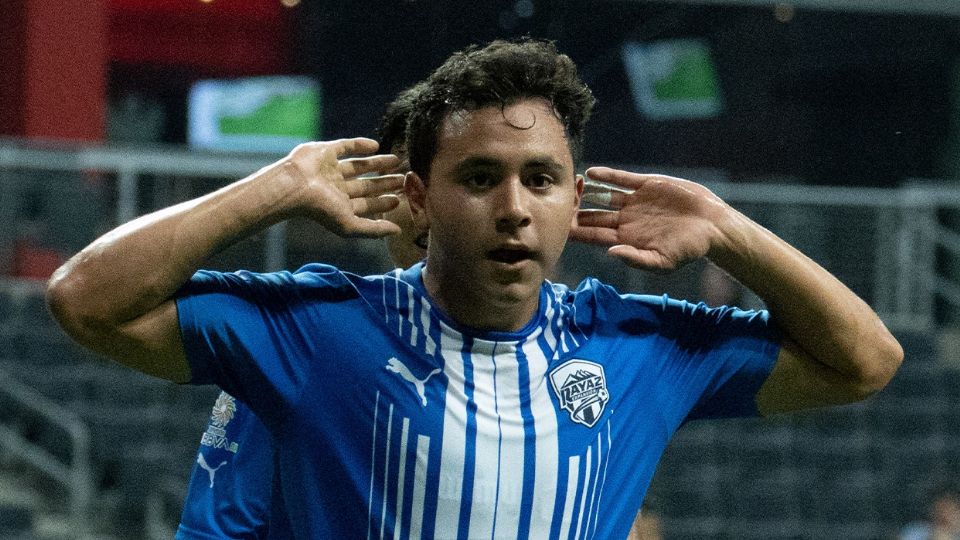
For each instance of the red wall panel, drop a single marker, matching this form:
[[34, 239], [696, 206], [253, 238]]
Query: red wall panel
[[64, 85], [227, 37]]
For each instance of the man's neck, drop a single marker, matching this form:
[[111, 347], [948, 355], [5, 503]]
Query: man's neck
[[476, 309]]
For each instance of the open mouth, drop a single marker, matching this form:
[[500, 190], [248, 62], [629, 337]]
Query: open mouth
[[509, 255]]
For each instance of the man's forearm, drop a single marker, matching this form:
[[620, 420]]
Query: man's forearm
[[115, 296], [134, 268], [814, 309]]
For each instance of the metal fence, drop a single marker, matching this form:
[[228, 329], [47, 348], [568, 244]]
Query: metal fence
[[895, 247]]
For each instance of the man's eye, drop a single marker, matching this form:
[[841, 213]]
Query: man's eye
[[540, 181], [479, 180]]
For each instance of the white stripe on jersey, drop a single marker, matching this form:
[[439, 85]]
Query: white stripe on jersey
[[511, 458], [549, 333], [573, 477], [487, 441], [498, 475], [401, 476], [583, 495], [419, 486], [373, 465], [596, 479], [563, 337], [431, 347], [604, 481], [397, 284], [413, 327], [386, 472], [454, 440], [546, 450], [573, 324]]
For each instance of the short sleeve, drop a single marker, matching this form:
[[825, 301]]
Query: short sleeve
[[727, 353], [243, 332], [695, 361]]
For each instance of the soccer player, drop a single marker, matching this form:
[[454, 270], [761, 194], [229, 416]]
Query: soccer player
[[467, 396], [231, 484]]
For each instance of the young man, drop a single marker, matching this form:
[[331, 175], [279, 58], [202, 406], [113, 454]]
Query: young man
[[468, 396], [231, 484]]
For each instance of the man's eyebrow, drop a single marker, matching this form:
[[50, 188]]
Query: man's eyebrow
[[475, 163], [479, 161], [546, 162], [540, 162]]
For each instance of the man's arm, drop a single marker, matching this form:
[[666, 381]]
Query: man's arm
[[116, 296], [836, 350]]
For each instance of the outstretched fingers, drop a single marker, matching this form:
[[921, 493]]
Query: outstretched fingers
[[598, 218], [596, 227], [353, 167], [372, 186], [624, 179], [604, 195], [594, 235], [356, 146], [370, 206]]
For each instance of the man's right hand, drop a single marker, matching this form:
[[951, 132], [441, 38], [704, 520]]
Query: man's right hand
[[335, 196]]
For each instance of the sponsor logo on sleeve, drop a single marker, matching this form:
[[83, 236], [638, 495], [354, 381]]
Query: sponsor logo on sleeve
[[216, 434]]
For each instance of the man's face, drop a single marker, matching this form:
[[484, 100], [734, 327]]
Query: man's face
[[500, 200]]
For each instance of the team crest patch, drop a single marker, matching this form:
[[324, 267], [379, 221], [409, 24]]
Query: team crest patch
[[582, 390]]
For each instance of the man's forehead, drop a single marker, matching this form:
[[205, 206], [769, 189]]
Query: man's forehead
[[466, 130], [522, 114]]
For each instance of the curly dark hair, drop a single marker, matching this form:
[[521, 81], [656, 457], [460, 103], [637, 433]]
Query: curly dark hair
[[498, 74], [392, 131]]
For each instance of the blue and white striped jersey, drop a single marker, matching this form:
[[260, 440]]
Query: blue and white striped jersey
[[391, 420]]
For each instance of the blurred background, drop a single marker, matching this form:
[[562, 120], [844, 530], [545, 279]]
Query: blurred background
[[835, 123]]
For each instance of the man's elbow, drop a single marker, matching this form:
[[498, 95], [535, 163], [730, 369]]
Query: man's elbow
[[881, 361], [65, 301]]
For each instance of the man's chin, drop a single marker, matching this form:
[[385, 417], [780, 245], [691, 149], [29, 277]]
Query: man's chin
[[515, 289]]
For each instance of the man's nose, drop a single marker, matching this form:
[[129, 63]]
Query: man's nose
[[513, 208]]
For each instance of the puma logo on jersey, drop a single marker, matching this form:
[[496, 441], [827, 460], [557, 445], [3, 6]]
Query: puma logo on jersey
[[211, 471], [400, 369]]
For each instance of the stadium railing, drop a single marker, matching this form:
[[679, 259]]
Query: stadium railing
[[73, 472], [892, 246]]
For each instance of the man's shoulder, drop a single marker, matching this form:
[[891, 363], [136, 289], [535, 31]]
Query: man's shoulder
[[312, 276], [593, 290], [593, 302]]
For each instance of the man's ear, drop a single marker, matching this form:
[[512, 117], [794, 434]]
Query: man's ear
[[416, 191], [579, 193]]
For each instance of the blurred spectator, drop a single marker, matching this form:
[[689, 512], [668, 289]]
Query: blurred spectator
[[943, 521]]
